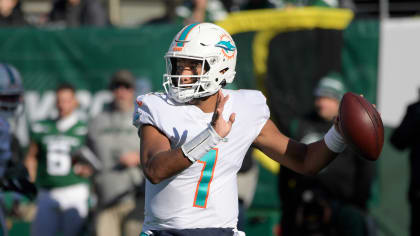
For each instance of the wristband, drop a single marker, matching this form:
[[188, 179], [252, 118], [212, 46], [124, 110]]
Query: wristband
[[201, 144], [334, 141]]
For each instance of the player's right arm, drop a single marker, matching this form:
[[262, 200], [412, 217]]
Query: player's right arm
[[158, 160], [302, 158], [31, 163]]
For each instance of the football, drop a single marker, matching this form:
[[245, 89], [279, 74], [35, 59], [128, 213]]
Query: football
[[361, 126]]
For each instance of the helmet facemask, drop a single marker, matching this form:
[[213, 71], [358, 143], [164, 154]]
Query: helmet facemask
[[200, 84], [9, 102]]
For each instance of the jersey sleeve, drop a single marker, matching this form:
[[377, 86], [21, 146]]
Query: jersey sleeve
[[36, 130], [256, 105], [143, 115], [263, 113]]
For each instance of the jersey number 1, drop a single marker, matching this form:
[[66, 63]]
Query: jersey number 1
[[203, 186]]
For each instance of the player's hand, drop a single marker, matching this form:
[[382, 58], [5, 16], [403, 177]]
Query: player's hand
[[82, 170], [374, 105], [220, 125], [130, 159]]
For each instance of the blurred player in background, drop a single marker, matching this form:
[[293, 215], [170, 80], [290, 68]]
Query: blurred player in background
[[13, 175], [195, 136], [334, 201], [63, 198], [115, 142], [407, 136]]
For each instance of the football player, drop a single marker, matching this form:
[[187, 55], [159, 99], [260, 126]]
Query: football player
[[195, 135], [64, 190], [13, 175]]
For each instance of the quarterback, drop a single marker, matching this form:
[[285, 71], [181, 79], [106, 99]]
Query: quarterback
[[195, 135]]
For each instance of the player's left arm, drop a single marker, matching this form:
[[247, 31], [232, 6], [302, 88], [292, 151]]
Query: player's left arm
[[31, 161], [302, 158]]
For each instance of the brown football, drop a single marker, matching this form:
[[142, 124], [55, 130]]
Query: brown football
[[361, 126]]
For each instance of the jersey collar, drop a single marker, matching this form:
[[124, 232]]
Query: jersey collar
[[65, 123]]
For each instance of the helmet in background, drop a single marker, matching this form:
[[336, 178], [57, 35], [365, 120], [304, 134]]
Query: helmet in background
[[11, 90], [216, 50]]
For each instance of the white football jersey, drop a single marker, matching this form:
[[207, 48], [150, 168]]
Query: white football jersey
[[205, 194]]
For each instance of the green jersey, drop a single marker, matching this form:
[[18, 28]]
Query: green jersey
[[55, 146]]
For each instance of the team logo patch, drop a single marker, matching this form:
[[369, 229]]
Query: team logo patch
[[139, 103], [226, 44]]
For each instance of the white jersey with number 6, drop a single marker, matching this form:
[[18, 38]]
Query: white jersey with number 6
[[205, 194]]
